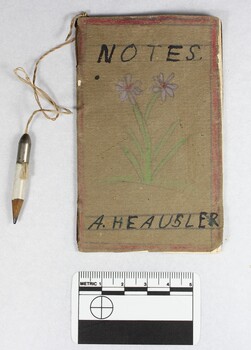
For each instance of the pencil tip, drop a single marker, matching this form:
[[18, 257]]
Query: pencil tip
[[16, 207]]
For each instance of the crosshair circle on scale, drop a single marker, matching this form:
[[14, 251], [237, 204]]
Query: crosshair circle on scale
[[101, 307]]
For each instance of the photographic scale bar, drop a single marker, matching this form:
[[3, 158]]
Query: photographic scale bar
[[135, 290], [135, 308]]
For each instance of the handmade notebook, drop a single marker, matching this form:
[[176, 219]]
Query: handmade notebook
[[149, 133]]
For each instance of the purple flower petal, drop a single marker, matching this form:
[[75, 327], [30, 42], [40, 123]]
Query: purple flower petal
[[132, 99], [172, 86], [128, 89], [161, 78], [171, 76], [121, 84], [120, 88], [123, 95], [136, 90], [128, 79], [169, 91], [156, 89], [163, 95], [164, 86]]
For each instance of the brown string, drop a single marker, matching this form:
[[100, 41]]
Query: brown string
[[20, 72]]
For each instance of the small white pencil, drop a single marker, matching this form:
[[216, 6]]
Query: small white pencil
[[21, 176]]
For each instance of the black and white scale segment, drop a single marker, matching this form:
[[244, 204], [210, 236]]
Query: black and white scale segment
[[135, 308]]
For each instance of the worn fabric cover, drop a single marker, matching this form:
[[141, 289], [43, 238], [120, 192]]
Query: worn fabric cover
[[149, 133]]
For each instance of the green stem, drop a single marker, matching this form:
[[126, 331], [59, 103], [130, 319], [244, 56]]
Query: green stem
[[169, 155], [133, 160], [150, 105], [165, 138], [147, 176], [135, 141]]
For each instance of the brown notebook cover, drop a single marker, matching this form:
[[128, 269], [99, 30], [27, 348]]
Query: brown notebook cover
[[149, 133]]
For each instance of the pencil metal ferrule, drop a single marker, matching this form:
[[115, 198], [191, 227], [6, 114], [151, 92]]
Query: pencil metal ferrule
[[24, 147]]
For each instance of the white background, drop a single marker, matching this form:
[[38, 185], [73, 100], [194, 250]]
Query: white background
[[38, 255]]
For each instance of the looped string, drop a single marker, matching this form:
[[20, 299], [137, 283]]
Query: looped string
[[56, 110]]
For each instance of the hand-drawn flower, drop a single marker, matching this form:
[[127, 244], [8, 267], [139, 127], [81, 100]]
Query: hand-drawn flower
[[128, 89], [164, 87], [146, 156]]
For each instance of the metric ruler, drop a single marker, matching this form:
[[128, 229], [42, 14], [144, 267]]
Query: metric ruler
[[135, 308]]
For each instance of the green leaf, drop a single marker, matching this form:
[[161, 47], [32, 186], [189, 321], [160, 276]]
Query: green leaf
[[150, 105], [133, 160], [165, 138], [169, 155], [135, 141]]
